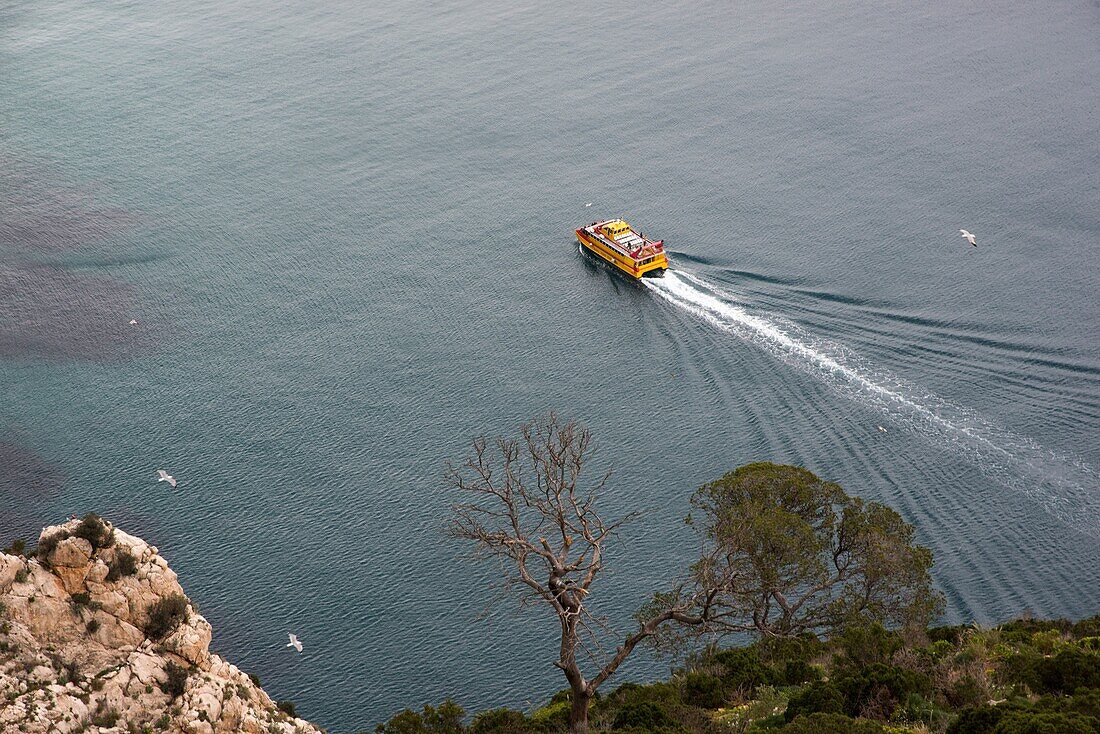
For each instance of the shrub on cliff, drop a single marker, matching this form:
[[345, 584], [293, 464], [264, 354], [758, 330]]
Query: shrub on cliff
[[704, 690], [742, 669], [815, 698], [831, 724], [447, 719], [94, 530], [123, 564], [644, 715], [1019, 720], [47, 544], [165, 616], [1069, 670], [876, 690], [16, 548], [176, 680], [499, 721]]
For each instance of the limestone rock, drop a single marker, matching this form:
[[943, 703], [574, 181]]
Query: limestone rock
[[191, 640], [78, 660], [9, 567]]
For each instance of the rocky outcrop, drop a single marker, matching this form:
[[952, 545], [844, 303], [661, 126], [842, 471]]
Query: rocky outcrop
[[96, 635]]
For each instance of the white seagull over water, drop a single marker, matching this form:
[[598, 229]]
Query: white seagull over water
[[133, 321], [881, 428], [968, 237], [163, 476], [294, 641], [588, 205]]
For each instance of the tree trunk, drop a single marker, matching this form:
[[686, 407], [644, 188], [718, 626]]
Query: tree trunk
[[578, 715]]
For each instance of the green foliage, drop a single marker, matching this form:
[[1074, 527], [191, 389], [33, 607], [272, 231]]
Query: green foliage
[[175, 680], [644, 715], [47, 544], [123, 564], [881, 685], [287, 707], [742, 669], [704, 690], [105, 718], [21, 575], [952, 635], [916, 709], [1021, 630], [779, 532], [82, 599], [779, 650], [499, 721], [1070, 669], [1087, 627], [94, 530], [795, 673], [554, 716], [966, 691], [92, 627], [17, 547], [831, 724], [864, 644], [815, 698], [446, 719], [1022, 719], [663, 693], [165, 615]]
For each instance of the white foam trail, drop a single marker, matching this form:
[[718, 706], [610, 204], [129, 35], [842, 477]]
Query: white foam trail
[[1067, 489]]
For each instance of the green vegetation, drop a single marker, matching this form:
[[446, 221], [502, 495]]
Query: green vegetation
[[17, 547], [1024, 677], [835, 590], [47, 544], [165, 616], [123, 564], [287, 707], [784, 554], [447, 719], [176, 680], [105, 718], [94, 530]]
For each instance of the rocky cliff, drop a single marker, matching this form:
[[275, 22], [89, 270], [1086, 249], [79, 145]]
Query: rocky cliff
[[96, 635]]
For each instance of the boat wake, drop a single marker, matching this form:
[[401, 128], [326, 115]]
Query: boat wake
[[1066, 488]]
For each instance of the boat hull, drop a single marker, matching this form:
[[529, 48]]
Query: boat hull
[[623, 264]]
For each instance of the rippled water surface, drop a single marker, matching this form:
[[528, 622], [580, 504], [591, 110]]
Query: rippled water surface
[[345, 233]]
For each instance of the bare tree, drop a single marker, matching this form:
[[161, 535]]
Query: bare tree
[[783, 553], [524, 502]]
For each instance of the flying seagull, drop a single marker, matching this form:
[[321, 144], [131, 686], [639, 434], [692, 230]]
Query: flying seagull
[[881, 428], [294, 642], [163, 476], [588, 205], [133, 321], [968, 237]]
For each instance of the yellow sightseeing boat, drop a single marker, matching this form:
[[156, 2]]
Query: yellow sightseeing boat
[[616, 242]]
